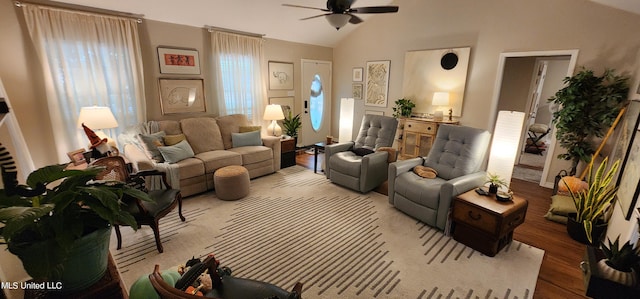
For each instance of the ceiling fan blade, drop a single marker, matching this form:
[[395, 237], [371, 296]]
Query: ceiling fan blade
[[354, 19], [374, 9], [308, 7], [322, 15]]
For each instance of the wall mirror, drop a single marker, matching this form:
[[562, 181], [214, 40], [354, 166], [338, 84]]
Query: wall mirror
[[429, 71]]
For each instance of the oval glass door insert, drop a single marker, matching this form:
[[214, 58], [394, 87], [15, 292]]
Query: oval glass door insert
[[316, 100]]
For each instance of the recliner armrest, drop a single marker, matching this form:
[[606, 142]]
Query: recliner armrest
[[332, 149], [397, 168]]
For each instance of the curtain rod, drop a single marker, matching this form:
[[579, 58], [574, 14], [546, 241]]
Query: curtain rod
[[213, 28], [82, 8]]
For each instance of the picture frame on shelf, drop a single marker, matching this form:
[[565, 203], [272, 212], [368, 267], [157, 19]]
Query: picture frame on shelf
[[77, 156], [377, 83], [357, 91], [280, 75], [178, 61], [182, 96], [373, 112], [357, 74]]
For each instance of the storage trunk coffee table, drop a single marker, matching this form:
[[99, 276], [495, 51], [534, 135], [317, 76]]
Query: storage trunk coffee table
[[484, 223]]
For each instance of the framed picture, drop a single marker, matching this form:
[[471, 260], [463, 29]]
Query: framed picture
[[77, 156], [357, 91], [377, 84], [285, 102], [374, 112], [178, 61], [627, 142], [182, 96], [280, 75], [357, 74]]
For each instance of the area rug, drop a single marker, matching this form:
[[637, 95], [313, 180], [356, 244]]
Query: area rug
[[297, 226]]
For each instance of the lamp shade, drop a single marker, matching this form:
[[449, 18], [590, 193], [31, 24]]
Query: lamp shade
[[97, 118], [440, 98], [504, 145], [273, 112], [337, 20], [346, 120]]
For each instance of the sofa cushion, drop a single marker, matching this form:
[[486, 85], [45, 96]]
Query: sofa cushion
[[203, 134], [213, 160], [151, 142], [177, 152], [253, 154], [230, 124], [189, 168], [244, 129], [246, 139], [171, 127]]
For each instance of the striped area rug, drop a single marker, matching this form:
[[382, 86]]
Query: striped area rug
[[297, 226]]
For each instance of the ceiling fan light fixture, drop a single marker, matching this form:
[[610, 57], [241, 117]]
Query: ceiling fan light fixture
[[337, 20]]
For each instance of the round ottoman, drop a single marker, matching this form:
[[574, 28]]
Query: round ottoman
[[231, 182]]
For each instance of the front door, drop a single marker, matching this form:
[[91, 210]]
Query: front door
[[316, 102]]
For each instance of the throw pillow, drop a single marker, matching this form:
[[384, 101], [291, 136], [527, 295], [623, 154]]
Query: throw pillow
[[177, 152], [173, 139], [392, 153], [362, 151], [151, 143], [245, 129], [246, 139], [425, 172]]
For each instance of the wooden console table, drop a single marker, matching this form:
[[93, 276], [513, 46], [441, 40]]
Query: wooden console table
[[484, 223], [418, 136]]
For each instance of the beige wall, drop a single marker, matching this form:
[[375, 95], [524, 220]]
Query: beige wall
[[516, 83], [21, 73]]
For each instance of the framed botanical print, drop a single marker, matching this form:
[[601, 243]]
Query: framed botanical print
[[357, 74], [377, 83], [357, 91]]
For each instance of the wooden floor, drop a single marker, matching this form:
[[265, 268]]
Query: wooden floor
[[560, 275]]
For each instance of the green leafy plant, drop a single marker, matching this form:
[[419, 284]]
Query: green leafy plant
[[292, 124], [592, 203], [496, 180], [61, 207], [403, 108], [621, 258], [589, 106]]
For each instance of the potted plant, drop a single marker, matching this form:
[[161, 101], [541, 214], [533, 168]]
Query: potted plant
[[59, 224], [619, 262], [588, 223], [292, 124], [403, 108], [495, 182], [589, 104]]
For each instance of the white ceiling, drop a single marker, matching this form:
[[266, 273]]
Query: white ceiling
[[267, 17]]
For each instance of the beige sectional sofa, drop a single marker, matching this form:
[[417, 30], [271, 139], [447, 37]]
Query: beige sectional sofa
[[212, 144]]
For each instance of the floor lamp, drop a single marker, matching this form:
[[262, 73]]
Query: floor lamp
[[504, 145]]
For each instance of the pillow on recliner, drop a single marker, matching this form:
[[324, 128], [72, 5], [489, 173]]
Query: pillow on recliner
[[362, 151], [425, 172]]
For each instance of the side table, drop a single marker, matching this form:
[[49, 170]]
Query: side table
[[287, 152], [317, 147], [484, 223]]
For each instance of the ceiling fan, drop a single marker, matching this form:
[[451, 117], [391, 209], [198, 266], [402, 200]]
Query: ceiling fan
[[339, 12]]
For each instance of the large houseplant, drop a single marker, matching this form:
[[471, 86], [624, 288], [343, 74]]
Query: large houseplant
[[589, 106], [48, 223], [292, 124], [403, 108], [593, 203]]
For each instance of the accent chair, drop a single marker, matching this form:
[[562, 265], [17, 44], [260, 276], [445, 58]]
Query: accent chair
[[457, 155]]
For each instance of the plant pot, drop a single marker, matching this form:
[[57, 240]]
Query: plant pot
[[493, 188], [576, 230], [86, 262], [621, 277]]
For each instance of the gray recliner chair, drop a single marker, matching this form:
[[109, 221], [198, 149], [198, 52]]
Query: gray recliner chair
[[356, 164], [457, 155]]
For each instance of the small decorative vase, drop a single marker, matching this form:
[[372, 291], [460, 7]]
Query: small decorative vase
[[493, 189], [621, 277]]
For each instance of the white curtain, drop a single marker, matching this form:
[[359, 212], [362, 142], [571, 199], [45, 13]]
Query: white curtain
[[239, 63], [87, 59]]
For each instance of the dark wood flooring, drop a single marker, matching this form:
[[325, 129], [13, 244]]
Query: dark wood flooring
[[560, 275]]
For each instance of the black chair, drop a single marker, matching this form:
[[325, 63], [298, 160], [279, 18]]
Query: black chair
[[224, 285], [148, 213]]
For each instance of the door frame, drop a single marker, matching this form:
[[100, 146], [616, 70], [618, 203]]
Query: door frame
[[328, 95], [573, 53]]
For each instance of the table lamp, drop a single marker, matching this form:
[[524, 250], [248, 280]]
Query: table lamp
[[440, 98], [273, 113], [98, 118]]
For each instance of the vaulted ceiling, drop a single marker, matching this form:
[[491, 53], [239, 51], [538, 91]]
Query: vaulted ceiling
[[267, 17]]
